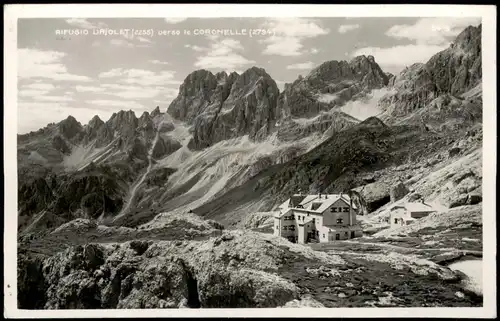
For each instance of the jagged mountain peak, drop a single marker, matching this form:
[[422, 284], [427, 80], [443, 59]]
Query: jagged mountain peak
[[467, 34], [221, 75], [199, 75], [70, 120], [156, 112], [255, 70], [96, 120], [362, 69], [70, 127], [124, 114], [144, 115]]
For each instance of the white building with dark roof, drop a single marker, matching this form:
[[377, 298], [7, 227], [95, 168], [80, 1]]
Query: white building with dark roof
[[407, 213], [317, 218]]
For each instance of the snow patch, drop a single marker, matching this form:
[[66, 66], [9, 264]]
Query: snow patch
[[366, 107], [474, 271], [326, 98]]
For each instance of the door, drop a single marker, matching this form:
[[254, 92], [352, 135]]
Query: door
[[337, 236], [352, 235]]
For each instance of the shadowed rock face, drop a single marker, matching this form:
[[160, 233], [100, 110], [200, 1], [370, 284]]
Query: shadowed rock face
[[70, 127], [225, 106], [165, 147], [331, 84], [449, 73]]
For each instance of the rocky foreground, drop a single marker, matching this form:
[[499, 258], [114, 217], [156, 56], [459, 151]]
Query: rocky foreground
[[212, 268]]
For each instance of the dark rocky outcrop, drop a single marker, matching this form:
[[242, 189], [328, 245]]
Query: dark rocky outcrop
[[437, 92], [330, 84], [164, 147], [398, 191], [225, 106], [70, 127]]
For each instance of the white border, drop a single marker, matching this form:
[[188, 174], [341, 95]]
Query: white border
[[488, 14]]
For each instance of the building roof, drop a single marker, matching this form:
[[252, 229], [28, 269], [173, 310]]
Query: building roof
[[281, 214], [415, 207], [317, 203]]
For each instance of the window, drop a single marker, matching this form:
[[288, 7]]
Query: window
[[323, 235], [315, 206], [333, 210], [395, 221], [346, 209], [317, 233], [314, 220], [339, 221], [345, 233], [277, 227]]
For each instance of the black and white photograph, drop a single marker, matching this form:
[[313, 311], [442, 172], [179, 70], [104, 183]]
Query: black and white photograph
[[250, 160]]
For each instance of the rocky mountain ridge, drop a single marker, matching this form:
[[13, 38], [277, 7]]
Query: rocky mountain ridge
[[225, 153], [213, 109], [441, 83]]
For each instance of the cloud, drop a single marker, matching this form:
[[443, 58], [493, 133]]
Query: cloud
[[289, 34], [32, 92], [228, 62], [195, 48], [95, 89], [138, 92], [283, 46], [347, 28], [158, 62], [432, 31], [301, 66], [56, 98], [174, 20], [35, 115], [116, 103], [429, 36], [34, 63], [394, 59], [141, 77], [121, 43], [84, 23], [146, 40], [314, 50], [223, 54], [40, 86]]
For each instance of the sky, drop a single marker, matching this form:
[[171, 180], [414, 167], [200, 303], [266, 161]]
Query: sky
[[92, 73]]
